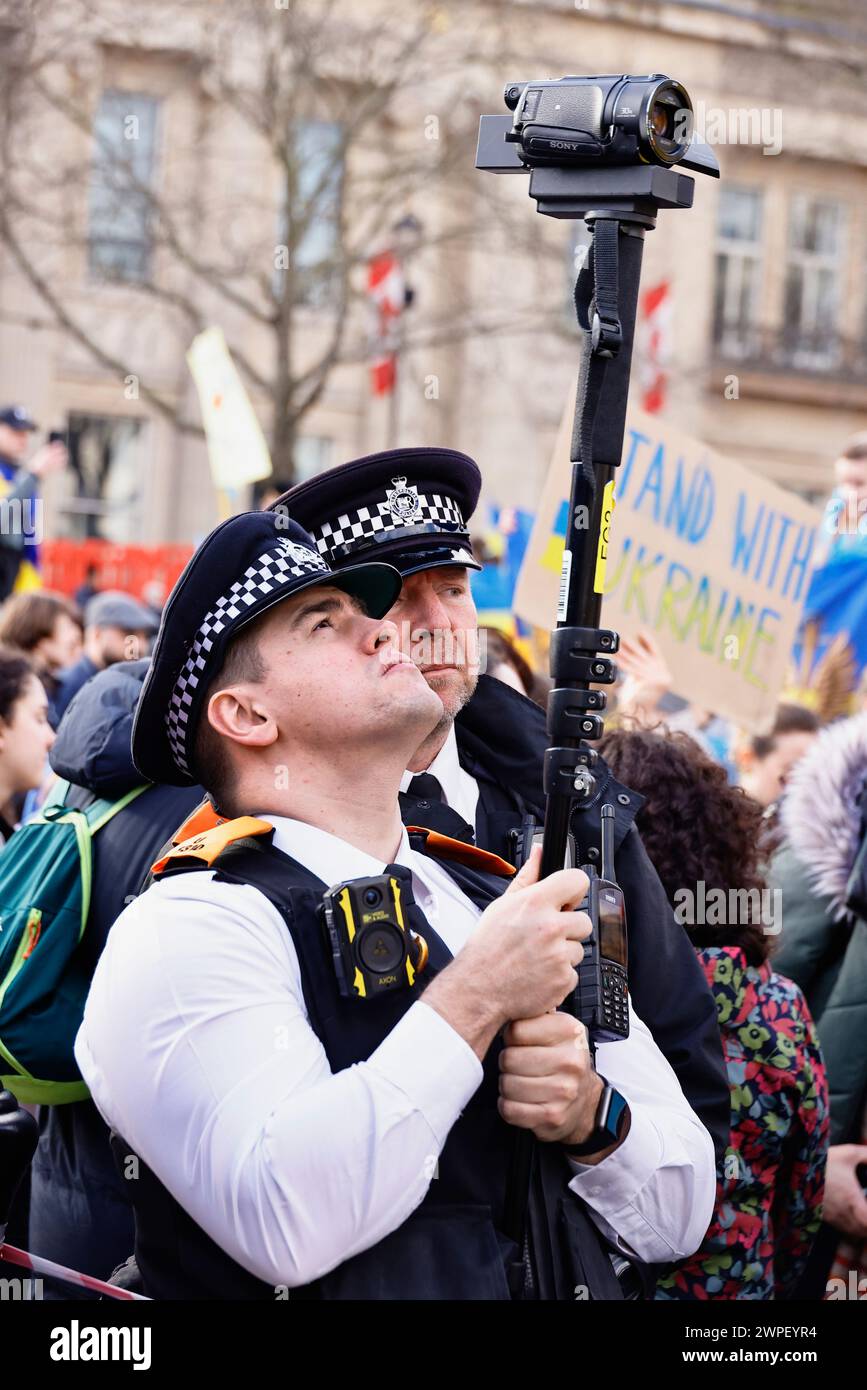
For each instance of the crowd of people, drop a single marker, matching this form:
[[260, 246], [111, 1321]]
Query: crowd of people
[[310, 713]]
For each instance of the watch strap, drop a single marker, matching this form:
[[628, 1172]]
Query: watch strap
[[612, 1115]]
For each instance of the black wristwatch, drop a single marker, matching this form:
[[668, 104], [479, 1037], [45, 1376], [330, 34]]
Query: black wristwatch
[[609, 1127]]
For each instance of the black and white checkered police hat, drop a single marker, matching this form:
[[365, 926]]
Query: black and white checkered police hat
[[409, 507], [247, 565]]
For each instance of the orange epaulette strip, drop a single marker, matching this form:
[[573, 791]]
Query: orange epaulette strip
[[211, 843], [444, 847], [197, 822]]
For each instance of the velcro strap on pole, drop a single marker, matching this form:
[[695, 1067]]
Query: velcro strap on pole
[[596, 306]]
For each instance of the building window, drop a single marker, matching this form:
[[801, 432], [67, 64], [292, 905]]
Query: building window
[[99, 495], [314, 227], [738, 270], [119, 211], [312, 456], [813, 278]]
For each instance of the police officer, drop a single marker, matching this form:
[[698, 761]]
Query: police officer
[[293, 1131], [19, 488], [483, 761]]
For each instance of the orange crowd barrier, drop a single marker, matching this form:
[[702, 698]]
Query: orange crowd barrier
[[145, 571]]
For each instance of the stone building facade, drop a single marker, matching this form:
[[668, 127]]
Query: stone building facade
[[756, 333]]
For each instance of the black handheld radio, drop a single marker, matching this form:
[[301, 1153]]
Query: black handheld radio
[[601, 998]]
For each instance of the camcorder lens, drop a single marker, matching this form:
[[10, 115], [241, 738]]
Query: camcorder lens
[[381, 949], [668, 122], [372, 896], [661, 120]]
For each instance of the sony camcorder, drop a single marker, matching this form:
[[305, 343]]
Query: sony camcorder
[[609, 120]]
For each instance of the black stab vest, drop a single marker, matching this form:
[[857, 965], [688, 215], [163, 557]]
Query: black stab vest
[[452, 1246]]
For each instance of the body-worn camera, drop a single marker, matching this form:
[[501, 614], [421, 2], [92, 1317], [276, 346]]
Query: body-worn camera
[[373, 948], [600, 120]]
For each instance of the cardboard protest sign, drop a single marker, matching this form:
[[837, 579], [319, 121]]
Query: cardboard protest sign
[[237, 450], [714, 560]]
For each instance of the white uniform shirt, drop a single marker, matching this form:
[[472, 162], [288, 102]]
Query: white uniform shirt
[[197, 1049], [460, 790]]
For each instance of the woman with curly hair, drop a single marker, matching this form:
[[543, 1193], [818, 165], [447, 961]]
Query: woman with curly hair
[[704, 838]]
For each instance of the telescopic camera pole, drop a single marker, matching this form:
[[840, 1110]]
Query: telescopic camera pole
[[618, 205], [606, 302]]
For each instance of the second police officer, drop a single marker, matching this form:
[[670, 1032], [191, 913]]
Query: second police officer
[[479, 774]]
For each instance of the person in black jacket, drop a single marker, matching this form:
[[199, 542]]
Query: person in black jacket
[[80, 1212], [479, 774]]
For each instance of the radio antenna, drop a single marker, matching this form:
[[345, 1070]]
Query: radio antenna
[[606, 868]]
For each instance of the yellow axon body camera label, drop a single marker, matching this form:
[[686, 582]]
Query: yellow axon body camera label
[[608, 505]]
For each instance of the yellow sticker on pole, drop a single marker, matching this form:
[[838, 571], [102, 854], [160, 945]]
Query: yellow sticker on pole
[[608, 505]]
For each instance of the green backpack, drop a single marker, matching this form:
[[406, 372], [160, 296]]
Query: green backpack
[[45, 883]]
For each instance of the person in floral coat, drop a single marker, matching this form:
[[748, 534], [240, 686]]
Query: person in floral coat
[[704, 838]]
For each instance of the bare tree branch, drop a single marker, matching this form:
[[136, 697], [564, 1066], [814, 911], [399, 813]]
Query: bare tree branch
[[65, 321], [267, 73]]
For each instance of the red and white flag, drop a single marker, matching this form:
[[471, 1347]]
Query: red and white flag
[[652, 347], [387, 291]]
